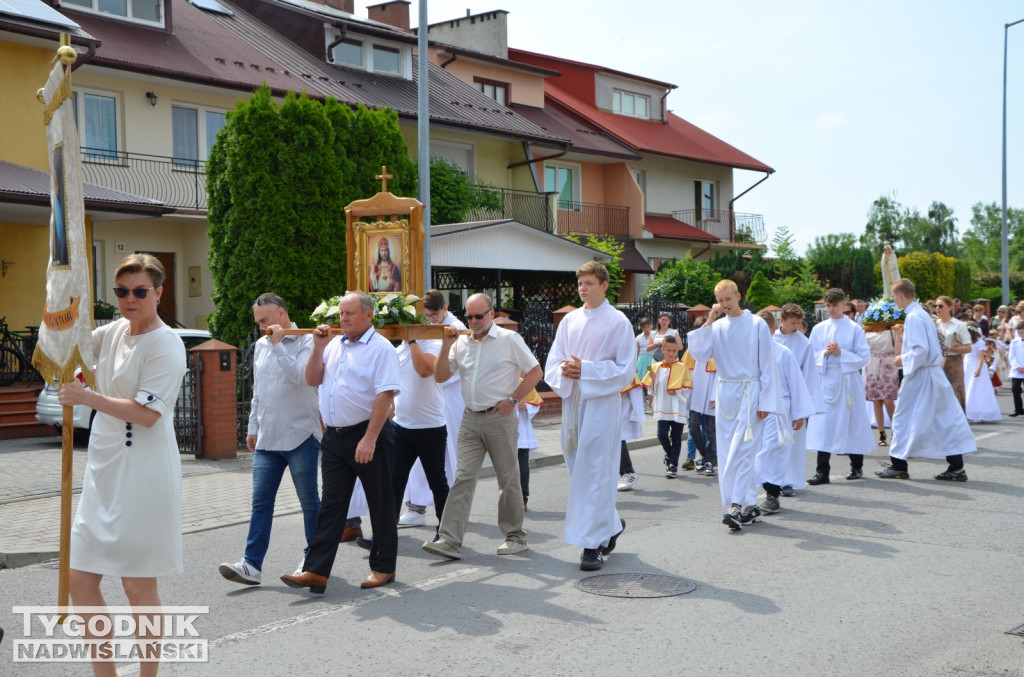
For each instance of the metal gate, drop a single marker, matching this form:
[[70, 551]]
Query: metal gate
[[244, 377], [537, 327], [188, 413]]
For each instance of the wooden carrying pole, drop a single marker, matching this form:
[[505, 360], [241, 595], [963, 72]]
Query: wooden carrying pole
[[66, 451]]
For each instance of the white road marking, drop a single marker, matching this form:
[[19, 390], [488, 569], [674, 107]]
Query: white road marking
[[979, 438]]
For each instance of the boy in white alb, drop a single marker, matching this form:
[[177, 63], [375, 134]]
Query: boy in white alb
[[791, 336], [772, 462], [748, 391], [669, 383], [525, 411], [592, 358], [840, 350]]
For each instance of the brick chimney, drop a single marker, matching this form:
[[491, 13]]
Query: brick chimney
[[394, 13]]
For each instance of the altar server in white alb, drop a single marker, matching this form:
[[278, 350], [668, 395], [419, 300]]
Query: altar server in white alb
[[772, 462], [790, 336], [929, 421], [592, 358], [840, 351], [748, 391], [981, 404]]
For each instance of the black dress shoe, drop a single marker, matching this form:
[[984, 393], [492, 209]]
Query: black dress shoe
[[819, 478], [855, 474], [1015, 414], [364, 543]]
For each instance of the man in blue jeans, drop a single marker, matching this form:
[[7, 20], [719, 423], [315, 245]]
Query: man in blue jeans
[[284, 432]]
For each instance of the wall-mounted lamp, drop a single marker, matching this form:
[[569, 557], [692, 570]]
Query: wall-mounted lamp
[[152, 98]]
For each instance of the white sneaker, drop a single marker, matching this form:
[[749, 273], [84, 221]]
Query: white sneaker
[[626, 481], [241, 572], [412, 519]]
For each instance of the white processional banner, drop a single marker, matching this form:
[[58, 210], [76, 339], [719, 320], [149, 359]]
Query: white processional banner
[[65, 341]]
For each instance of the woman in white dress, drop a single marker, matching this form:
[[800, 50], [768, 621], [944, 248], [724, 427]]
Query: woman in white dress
[[128, 522], [981, 397]]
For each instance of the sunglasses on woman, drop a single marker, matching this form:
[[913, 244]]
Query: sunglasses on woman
[[139, 293]]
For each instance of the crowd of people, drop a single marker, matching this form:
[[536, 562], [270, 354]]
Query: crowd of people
[[415, 421]]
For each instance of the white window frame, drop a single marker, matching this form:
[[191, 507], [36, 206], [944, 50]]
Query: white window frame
[[577, 192], [93, 8], [618, 96], [362, 53], [368, 45], [202, 146], [439, 146], [79, 110]]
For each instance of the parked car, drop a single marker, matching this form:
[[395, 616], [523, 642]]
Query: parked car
[[49, 411]]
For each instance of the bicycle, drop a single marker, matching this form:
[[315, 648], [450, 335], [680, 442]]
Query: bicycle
[[15, 361]]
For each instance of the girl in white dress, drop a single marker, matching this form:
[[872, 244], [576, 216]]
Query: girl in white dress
[[128, 522], [981, 397]]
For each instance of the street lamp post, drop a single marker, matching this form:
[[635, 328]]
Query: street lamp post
[[1005, 236]]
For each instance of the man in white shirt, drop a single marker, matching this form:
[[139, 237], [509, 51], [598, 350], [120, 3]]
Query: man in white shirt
[[1016, 357], [357, 376], [284, 432], [489, 363], [417, 493]]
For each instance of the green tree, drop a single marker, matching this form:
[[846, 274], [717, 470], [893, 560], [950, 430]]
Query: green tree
[[454, 198], [786, 259], [685, 281], [614, 248], [802, 289], [932, 273], [885, 224], [935, 232], [761, 293], [279, 178], [839, 262], [982, 242]]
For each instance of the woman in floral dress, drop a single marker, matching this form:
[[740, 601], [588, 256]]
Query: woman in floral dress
[[881, 377]]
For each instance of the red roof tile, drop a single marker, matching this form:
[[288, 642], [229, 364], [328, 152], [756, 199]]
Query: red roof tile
[[666, 226], [574, 90]]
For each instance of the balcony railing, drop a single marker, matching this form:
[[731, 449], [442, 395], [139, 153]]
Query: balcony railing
[[739, 228], [587, 218], [531, 209], [176, 182]]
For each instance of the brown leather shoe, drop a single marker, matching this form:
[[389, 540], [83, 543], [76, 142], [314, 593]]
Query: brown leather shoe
[[351, 533], [307, 579], [377, 579]]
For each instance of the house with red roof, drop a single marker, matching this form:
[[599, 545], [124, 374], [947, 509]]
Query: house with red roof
[[632, 169]]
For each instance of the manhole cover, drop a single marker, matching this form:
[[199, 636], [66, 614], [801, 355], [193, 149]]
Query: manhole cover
[[635, 585], [1019, 630]]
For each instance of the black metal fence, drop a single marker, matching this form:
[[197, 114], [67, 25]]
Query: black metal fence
[[531, 209], [585, 218], [729, 227], [188, 412], [244, 376], [654, 306], [177, 182]]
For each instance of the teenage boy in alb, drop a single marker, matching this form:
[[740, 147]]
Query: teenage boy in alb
[[772, 462], [790, 335], [929, 421], [592, 359], [840, 352], [669, 383], [748, 391]]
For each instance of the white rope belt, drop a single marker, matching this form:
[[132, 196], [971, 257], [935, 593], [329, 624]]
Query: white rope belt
[[748, 435], [839, 393], [571, 420]]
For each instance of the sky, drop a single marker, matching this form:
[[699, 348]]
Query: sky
[[847, 101]]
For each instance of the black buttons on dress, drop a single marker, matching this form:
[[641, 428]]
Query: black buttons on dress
[[150, 397], [127, 426], [128, 435], [128, 443]]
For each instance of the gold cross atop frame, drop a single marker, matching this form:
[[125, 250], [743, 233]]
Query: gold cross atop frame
[[383, 178]]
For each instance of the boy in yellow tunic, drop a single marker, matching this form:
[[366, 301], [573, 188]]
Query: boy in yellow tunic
[[669, 383]]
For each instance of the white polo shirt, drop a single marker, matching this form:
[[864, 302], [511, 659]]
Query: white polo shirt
[[355, 372], [421, 404]]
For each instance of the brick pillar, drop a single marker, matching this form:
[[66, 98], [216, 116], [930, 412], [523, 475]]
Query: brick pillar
[[505, 322], [219, 394], [560, 313]]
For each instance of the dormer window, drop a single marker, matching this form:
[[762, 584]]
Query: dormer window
[[150, 12], [492, 89], [368, 54], [628, 103]]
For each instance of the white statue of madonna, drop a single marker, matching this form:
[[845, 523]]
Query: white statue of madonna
[[890, 271]]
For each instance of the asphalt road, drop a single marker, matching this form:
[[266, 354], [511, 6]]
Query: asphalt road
[[873, 577]]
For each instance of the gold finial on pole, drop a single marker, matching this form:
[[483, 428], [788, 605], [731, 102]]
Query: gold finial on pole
[[383, 178]]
